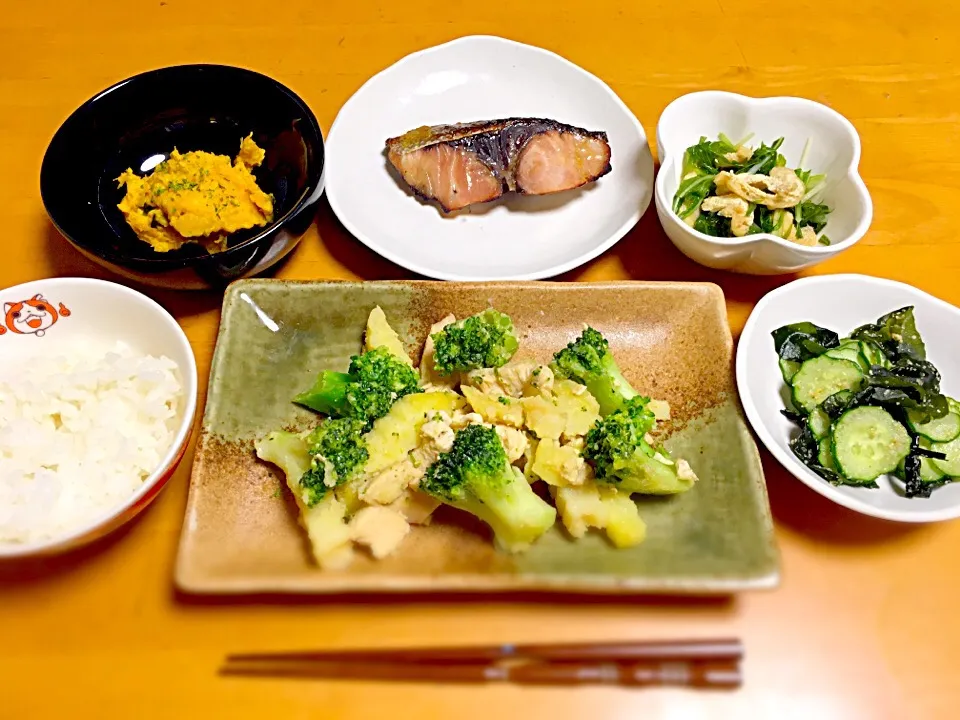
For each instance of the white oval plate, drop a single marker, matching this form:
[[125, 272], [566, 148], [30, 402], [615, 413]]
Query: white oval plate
[[842, 303], [514, 238]]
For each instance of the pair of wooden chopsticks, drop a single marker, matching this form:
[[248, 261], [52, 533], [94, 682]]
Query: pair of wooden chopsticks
[[684, 663]]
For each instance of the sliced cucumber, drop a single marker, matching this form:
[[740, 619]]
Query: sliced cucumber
[[825, 456], [821, 377], [953, 404], [873, 353], [849, 352], [788, 368], [951, 465], [942, 429], [819, 423], [928, 473], [868, 443], [901, 472]]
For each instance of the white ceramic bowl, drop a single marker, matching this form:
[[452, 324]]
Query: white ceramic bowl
[[842, 303], [514, 237], [102, 311], [834, 149]]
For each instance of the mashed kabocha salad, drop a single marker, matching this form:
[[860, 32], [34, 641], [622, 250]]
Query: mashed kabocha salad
[[730, 189], [512, 443]]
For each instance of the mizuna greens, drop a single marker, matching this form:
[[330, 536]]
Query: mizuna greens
[[870, 404], [729, 189]]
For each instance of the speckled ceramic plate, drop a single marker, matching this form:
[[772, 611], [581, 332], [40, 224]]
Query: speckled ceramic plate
[[673, 342]]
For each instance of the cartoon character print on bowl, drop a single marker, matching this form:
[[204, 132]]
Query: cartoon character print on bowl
[[31, 317]]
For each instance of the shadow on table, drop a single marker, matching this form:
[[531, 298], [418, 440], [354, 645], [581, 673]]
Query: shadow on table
[[67, 261], [646, 253], [803, 511], [353, 254], [15, 573]]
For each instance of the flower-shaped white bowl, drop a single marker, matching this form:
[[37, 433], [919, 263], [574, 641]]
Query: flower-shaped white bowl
[[834, 149], [86, 310], [842, 303]]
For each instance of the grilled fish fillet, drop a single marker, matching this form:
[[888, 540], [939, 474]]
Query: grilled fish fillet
[[469, 163]]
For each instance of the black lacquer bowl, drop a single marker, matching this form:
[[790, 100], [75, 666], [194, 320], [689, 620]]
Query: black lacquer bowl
[[190, 107]]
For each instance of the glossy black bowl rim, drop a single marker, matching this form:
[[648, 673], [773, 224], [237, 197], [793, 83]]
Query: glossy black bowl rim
[[316, 174]]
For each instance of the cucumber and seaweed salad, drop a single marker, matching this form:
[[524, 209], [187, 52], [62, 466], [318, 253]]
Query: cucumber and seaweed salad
[[869, 404]]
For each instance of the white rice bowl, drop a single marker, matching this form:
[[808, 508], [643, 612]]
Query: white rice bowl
[[97, 403], [81, 429]]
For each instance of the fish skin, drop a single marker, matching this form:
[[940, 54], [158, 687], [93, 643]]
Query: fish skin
[[498, 144]]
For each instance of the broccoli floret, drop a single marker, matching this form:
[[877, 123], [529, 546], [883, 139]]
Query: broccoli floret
[[484, 340], [617, 448], [588, 361], [337, 449], [476, 476], [374, 382]]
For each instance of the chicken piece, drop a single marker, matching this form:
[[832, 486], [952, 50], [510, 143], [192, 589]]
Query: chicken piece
[[416, 506], [486, 380], [808, 237], [735, 208], [741, 154], [460, 420], [574, 469], [514, 442], [660, 409], [512, 380], [437, 433], [685, 472], [780, 189], [560, 465], [381, 529], [495, 409], [386, 486], [525, 378], [541, 381], [430, 379], [436, 436]]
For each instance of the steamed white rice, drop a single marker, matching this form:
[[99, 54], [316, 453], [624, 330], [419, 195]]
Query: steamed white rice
[[80, 431]]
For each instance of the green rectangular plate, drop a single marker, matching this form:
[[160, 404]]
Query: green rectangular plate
[[672, 340]]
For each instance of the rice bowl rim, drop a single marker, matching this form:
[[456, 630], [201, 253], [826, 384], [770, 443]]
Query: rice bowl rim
[[107, 522]]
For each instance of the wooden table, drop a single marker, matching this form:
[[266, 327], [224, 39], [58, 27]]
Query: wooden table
[[866, 622]]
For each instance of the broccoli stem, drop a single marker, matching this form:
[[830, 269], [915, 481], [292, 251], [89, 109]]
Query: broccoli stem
[[644, 473], [328, 394], [647, 471], [515, 513], [611, 389]]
